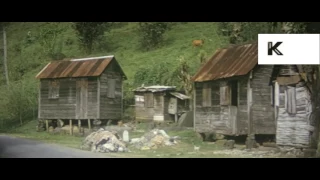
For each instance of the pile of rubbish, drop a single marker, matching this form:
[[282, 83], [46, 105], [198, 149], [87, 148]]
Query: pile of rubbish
[[104, 142], [154, 139]]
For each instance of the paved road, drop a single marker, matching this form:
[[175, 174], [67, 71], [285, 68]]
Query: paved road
[[12, 147]]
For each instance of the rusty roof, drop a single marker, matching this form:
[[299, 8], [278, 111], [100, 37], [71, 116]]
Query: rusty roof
[[228, 62], [85, 67]]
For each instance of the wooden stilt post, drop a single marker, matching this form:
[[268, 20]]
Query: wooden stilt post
[[79, 124], [70, 124], [47, 125], [89, 124]]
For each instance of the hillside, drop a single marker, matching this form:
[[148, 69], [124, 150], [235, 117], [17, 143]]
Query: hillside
[[27, 47]]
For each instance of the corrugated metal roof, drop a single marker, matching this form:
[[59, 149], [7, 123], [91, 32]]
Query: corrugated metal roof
[[85, 67], [179, 95], [234, 61], [155, 88]]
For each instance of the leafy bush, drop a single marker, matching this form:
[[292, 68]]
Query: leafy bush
[[239, 32], [90, 32], [18, 102], [152, 33], [51, 41]]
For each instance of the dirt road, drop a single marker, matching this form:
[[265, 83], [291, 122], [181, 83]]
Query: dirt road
[[12, 147]]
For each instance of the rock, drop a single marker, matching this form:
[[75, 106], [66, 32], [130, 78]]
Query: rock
[[134, 140], [221, 142], [51, 129], [125, 136], [229, 144], [60, 123], [269, 144], [251, 142], [75, 130], [96, 122], [219, 136], [164, 134], [57, 130]]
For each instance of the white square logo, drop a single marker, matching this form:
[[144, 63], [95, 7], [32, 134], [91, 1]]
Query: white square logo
[[286, 49]]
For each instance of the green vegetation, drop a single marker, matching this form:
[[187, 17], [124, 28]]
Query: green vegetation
[[150, 53], [32, 45]]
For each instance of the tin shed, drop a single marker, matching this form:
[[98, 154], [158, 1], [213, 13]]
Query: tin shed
[[159, 103], [233, 93], [81, 89]]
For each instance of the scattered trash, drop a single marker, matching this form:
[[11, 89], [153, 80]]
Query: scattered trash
[[154, 139], [104, 141]]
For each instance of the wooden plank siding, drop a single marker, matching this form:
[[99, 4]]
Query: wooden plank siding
[[229, 110], [110, 95], [262, 112], [220, 117], [63, 107], [294, 127]]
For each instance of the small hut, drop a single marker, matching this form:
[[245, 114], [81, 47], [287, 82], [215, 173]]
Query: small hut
[[159, 103], [81, 90], [233, 94], [236, 96]]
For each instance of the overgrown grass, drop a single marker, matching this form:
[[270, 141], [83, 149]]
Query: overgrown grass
[[26, 55]]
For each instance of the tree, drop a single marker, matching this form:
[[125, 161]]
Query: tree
[[152, 33], [3, 26], [239, 32], [90, 32], [185, 76], [49, 40]]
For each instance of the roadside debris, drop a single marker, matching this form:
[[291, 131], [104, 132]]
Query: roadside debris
[[104, 141], [154, 139]]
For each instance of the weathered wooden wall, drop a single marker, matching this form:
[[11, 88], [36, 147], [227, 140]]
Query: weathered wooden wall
[[242, 114], [294, 128], [219, 116], [92, 99], [143, 113], [63, 107], [111, 108], [262, 112], [167, 116], [224, 119]]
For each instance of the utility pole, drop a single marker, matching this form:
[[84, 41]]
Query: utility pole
[[5, 54]]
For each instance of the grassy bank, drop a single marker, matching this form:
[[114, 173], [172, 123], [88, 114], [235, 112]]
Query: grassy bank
[[185, 148]]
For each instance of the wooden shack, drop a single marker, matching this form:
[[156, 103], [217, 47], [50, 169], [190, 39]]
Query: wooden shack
[[81, 89], [293, 108], [236, 96], [159, 103], [233, 94]]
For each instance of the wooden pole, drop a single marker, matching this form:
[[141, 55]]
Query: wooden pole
[[47, 125], [70, 124], [89, 124], [79, 124]]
